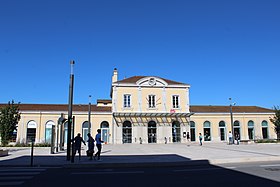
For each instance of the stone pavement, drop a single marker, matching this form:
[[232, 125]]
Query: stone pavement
[[147, 155]]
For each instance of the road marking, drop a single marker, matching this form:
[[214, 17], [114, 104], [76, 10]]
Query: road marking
[[272, 165], [21, 169], [15, 177], [199, 169], [19, 173], [13, 183], [11, 176], [107, 172]]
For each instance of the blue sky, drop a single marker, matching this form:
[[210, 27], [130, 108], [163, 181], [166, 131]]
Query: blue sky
[[222, 48]]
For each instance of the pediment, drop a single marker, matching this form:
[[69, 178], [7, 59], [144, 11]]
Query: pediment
[[152, 82]]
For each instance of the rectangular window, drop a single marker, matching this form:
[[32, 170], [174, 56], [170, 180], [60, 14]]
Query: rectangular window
[[126, 101], [175, 101], [152, 101]]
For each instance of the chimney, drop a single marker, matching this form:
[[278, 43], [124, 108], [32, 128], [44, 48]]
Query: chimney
[[115, 76]]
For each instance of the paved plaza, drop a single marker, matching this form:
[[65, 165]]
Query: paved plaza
[[147, 154]]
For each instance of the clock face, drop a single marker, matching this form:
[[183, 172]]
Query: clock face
[[152, 81]]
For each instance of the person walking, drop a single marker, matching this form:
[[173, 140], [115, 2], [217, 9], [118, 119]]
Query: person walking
[[98, 144], [188, 138], [90, 150], [200, 139], [77, 144], [236, 136], [230, 138]]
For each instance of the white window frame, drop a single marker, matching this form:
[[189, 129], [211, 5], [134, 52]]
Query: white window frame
[[127, 100], [175, 101], [152, 101]]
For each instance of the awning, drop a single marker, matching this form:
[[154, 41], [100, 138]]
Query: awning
[[142, 119]]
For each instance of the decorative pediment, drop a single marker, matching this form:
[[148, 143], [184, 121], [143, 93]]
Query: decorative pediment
[[151, 81]]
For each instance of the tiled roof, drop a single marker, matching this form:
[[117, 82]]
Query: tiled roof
[[94, 108], [60, 107], [104, 101], [134, 79], [226, 109]]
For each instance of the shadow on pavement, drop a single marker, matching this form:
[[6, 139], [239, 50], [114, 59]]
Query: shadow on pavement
[[140, 172]]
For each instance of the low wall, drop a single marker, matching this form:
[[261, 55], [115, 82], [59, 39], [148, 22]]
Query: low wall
[[3, 152]]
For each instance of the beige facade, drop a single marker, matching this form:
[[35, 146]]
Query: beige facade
[[145, 109]]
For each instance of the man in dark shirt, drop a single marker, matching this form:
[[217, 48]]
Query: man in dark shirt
[[77, 144]]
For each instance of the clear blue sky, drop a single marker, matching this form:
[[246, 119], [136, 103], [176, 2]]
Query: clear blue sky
[[222, 48]]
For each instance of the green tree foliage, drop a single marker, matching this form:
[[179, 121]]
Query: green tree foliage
[[9, 118], [276, 121]]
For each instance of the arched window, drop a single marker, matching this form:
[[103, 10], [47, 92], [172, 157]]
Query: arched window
[[207, 131], [250, 123], [236, 123], [104, 124], [222, 124], [192, 129]]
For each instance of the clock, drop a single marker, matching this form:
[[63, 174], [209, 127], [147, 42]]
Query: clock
[[152, 81]]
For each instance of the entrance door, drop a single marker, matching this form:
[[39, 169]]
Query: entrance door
[[251, 130], [31, 131], [105, 131], [264, 132], [222, 126], [192, 126], [222, 134], [176, 132], [192, 134], [236, 130], [251, 133], [104, 135], [152, 132], [127, 132], [31, 134]]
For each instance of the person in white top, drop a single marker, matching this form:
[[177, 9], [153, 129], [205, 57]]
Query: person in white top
[[229, 138]]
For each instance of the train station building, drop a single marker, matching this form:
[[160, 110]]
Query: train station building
[[144, 109]]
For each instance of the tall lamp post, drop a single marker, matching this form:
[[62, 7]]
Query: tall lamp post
[[89, 112], [231, 116], [70, 103]]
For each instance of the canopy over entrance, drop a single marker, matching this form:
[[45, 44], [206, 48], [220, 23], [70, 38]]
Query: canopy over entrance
[[143, 119]]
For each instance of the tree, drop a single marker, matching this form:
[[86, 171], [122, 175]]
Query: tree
[[9, 118], [276, 121]]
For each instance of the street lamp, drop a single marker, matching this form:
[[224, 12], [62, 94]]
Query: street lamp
[[231, 117], [70, 104], [89, 112]]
